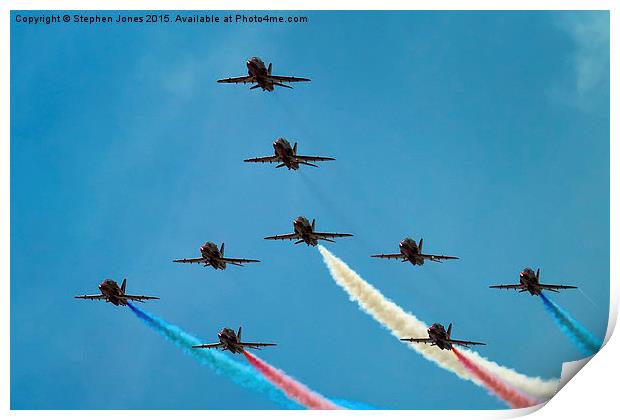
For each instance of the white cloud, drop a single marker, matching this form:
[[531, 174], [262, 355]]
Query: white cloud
[[589, 32]]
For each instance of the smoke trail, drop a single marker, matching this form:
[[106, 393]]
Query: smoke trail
[[586, 342], [508, 394], [293, 389], [403, 324], [239, 373]]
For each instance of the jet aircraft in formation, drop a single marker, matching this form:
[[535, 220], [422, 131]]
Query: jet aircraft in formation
[[304, 232], [262, 77], [287, 156], [110, 292], [231, 342], [438, 336], [530, 282], [211, 255], [412, 252]]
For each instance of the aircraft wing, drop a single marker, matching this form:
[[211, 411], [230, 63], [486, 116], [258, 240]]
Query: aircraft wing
[[138, 298], [289, 236], [417, 340], [256, 345], [507, 286], [207, 346], [466, 343], [238, 261], [312, 158], [437, 258], [192, 261], [330, 235], [552, 287], [91, 297], [287, 79], [389, 256], [240, 79], [266, 159]]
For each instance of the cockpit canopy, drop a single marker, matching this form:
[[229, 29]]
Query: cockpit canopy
[[283, 141], [437, 327], [209, 245]]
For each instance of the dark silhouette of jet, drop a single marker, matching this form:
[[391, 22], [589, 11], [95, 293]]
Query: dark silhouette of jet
[[287, 156], [214, 257], [304, 232], [231, 342], [530, 282], [438, 336], [110, 292], [412, 252], [261, 77]]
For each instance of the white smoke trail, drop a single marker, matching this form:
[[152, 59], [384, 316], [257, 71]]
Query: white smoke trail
[[403, 324]]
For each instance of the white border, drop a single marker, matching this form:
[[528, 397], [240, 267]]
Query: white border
[[590, 395]]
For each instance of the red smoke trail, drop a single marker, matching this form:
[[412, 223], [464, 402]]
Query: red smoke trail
[[513, 397], [293, 389]]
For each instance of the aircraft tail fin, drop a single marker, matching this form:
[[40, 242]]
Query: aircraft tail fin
[[538, 274], [222, 249], [269, 69], [449, 330], [295, 148], [420, 244], [123, 285], [239, 334], [313, 224]]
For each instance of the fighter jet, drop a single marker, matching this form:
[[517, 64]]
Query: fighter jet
[[438, 336], [304, 232], [262, 77], [110, 292], [231, 342], [288, 156], [412, 252], [530, 282], [214, 257]]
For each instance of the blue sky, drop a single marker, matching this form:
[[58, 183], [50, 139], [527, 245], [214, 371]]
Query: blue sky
[[485, 133]]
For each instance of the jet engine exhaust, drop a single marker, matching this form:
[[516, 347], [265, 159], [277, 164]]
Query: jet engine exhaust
[[585, 341], [403, 324], [497, 387], [222, 364], [293, 389]]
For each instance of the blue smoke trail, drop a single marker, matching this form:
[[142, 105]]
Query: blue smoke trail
[[587, 343], [353, 405], [240, 373]]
